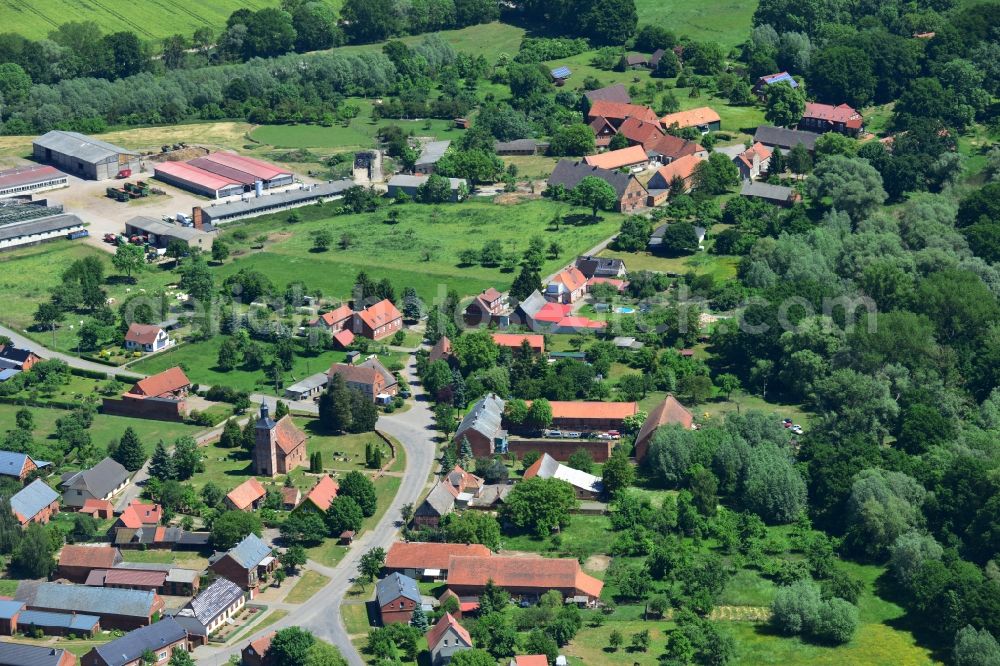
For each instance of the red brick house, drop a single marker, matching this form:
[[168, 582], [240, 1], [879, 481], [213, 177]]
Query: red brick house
[[371, 378], [248, 496], [522, 577], [17, 465], [255, 653], [161, 639], [77, 561], [17, 359], [336, 320], [36, 655], [588, 416], [245, 563], [666, 413], [397, 597], [160, 396], [99, 509], [516, 340], [37, 502], [617, 112], [441, 351], [378, 321], [280, 446], [417, 559], [828, 118], [484, 307], [629, 192]]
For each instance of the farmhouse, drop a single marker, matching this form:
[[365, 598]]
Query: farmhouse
[[279, 446], [19, 465], [828, 118], [446, 638], [31, 179], [335, 320], [786, 139], [102, 481], [617, 112], [668, 412], [160, 396], [432, 152], [482, 426], [704, 119], [629, 192], [84, 156], [161, 639], [118, 609], [397, 597], [586, 486], [625, 158], [567, 286], [409, 185], [682, 167], [378, 321], [146, 338], [214, 605], [371, 378], [418, 559], [522, 577], [616, 93], [248, 496], [517, 340], [591, 416], [776, 194], [486, 307], [245, 563], [35, 503]]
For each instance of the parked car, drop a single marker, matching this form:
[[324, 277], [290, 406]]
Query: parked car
[[572, 435], [797, 429], [553, 433], [603, 435]]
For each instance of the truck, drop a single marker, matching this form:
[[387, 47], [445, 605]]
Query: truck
[[124, 173], [184, 219]]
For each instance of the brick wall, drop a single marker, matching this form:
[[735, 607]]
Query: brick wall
[[159, 410], [599, 449]]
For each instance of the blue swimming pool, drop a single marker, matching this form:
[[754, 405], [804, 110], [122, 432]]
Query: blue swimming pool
[[625, 310]]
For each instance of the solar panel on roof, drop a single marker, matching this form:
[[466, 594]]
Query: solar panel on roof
[[561, 72]]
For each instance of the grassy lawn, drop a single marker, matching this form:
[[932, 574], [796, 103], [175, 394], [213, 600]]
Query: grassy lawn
[[589, 645], [585, 534], [182, 559], [227, 468], [329, 553], [726, 22], [358, 134], [310, 583], [268, 620], [421, 251], [721, 267], [355, 618], [344, 453]]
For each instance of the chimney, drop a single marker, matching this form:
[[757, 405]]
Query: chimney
[[196, 217]]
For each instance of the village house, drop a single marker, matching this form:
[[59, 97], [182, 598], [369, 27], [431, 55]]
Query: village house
[[485, 308], [23, 654], [482, 426], [784, 138], [19, 465], [635, 61], [335, 321], [516, 341], [102, 481], [248, 496], [629, 192], [279, 446], [161, 640], [245, 563], [586, 486], [538, 314], [616, 112], [778, 195], [591, 416], [160, 396], [14, 358], [378, 321], [76, 561], [601, 267], [828, 118], [617, 94], [137, 524], [213, 606], [704, 119], [760, 88], [440, 501], [633, 157], [255, 653], [463, 482], [567, 286], [527, 578], [35, 503], [322, 494], [397, 597], [98, 509], [441, 351], [668, 412], [446, 638], [371, 378], [418, 559], [117, 609], [146, 338], [290, 498], [753, 161], [603, 130], [683, 168]]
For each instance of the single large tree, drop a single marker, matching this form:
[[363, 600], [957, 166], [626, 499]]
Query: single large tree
[[785, 105], [539, 505], [129, 451], [128, 259], [595, 194], [359, 487]]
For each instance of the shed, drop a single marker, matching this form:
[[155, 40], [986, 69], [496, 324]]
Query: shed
[[84, 156]]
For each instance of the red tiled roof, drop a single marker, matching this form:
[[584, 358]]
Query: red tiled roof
[[262, 644], [290, 495], [426, 555], [358, 374], [134, 577], [379, 314], [703, 115], [760, 150], [842, 113], [323, 492], [344, 337], [245, 494], [93, 505], [461, 481], [531, 660], [142, 334], [522, 572], [645, 133], [615, 282], [437, 632], [490, 295], [168, 381], [138, 513], [95, 557], [620, 111], [615, 159], [338, 315], [592, 410], [553, 312], [440, 350], [674, 147], [667, 412], [683, 167], [579, 322], [288, 436], [571, 278], [514, 340]]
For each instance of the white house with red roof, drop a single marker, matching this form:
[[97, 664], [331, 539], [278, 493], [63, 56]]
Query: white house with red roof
[[446, 638], [146, 338], [567, 286]]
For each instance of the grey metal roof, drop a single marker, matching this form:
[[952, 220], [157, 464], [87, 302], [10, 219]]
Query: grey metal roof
[[12, 463], [439, 501], [33, 498], [213, 601], [191, 625], [69, 621], [532, 304], [394, 586], [518, 144], [40, 226], [569, 174], [143, 566], [560, 72], [130, 647], [20, 654], [432, 152], [309, 383], [249, 552], [100, 479], [484, 417], [550, 468], [766, 191], [100, 600], [276, 199], [80, 146], [175, 575], [153, 226], [9, 608], [406, 180], [785, 138]]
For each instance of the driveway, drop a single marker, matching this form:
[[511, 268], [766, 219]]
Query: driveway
[[72, 361], [415, 430]]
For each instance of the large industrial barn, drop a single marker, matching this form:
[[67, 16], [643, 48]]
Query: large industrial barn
[[221, 175], [84, 156], [29, 179]]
